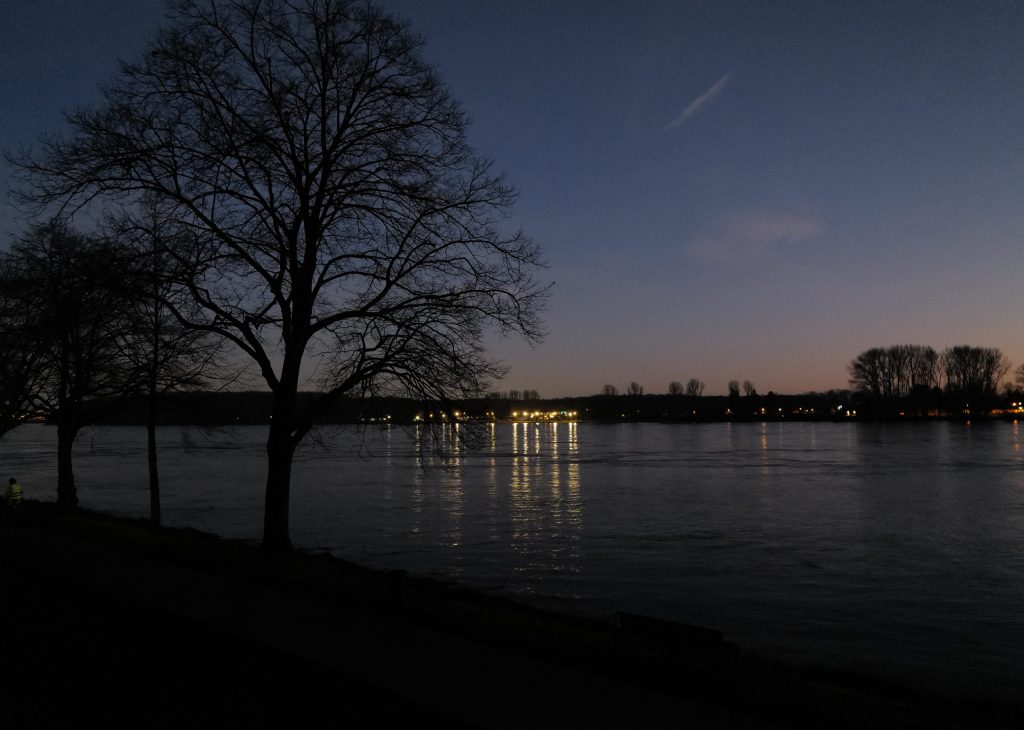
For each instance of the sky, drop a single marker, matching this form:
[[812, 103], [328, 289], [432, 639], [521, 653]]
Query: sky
[[722, 190]]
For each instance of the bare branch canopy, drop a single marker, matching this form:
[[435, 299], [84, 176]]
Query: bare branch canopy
[[345, 230]]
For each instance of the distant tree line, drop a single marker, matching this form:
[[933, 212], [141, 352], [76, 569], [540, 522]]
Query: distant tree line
[[523, 395], [742, 403], [694, 388], [215, 408]]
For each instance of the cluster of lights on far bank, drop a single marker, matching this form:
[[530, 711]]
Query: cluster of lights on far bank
[[533, 416], [519, 416]]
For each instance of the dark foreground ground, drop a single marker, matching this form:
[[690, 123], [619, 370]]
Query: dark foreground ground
[[107, 623]]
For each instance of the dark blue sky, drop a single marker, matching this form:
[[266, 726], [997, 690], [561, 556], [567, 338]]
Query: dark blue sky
[[723, 190]]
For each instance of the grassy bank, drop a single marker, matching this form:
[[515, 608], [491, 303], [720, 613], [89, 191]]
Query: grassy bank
[[118, 623]]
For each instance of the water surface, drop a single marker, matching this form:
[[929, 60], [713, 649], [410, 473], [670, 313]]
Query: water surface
[[884, 548]]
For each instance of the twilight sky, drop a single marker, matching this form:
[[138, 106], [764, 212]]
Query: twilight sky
[[746, 190]]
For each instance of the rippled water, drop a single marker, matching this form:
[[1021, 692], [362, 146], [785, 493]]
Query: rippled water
[[891, 549]]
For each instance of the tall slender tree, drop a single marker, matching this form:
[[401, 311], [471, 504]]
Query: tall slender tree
[[165, 353]]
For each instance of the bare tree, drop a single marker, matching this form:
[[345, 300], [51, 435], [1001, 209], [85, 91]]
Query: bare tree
[[734, 389], [166, 354], [64, 310], [22, 371], [894, 372], [609, 390], [923, 366], [350, 236], [675, 388], [973, 374], [635, 389], [749, 389], [867, 371], [694, 388]]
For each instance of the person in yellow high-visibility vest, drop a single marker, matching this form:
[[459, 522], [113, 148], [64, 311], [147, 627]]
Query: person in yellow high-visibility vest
[[12, 498]]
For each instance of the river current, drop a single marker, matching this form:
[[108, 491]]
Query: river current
[[894, 550]]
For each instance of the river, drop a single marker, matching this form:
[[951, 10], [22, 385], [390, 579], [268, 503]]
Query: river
[[895, 550]]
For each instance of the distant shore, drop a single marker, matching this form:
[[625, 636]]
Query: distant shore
[[225, 408], [187, 620]]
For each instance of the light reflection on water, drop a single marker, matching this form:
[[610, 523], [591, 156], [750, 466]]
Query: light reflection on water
[[890, 548], [545, 511]]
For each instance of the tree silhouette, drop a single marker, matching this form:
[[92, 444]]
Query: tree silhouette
[[22, 371], [749, 389], [973, 375], [609, 390], [349, 235], [64, 312], [694, 388], [166, 354], [892, 373], [675, 388]]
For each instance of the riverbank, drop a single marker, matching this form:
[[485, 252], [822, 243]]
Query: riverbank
[[253, 408], [110, 622]]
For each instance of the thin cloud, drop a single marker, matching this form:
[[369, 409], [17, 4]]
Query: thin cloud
[[701, 103], [754, 235]]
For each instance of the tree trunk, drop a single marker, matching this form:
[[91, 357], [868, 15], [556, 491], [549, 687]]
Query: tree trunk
[[153, 395], [67, 494], [154, 476], [279, 477], [281, 450]]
